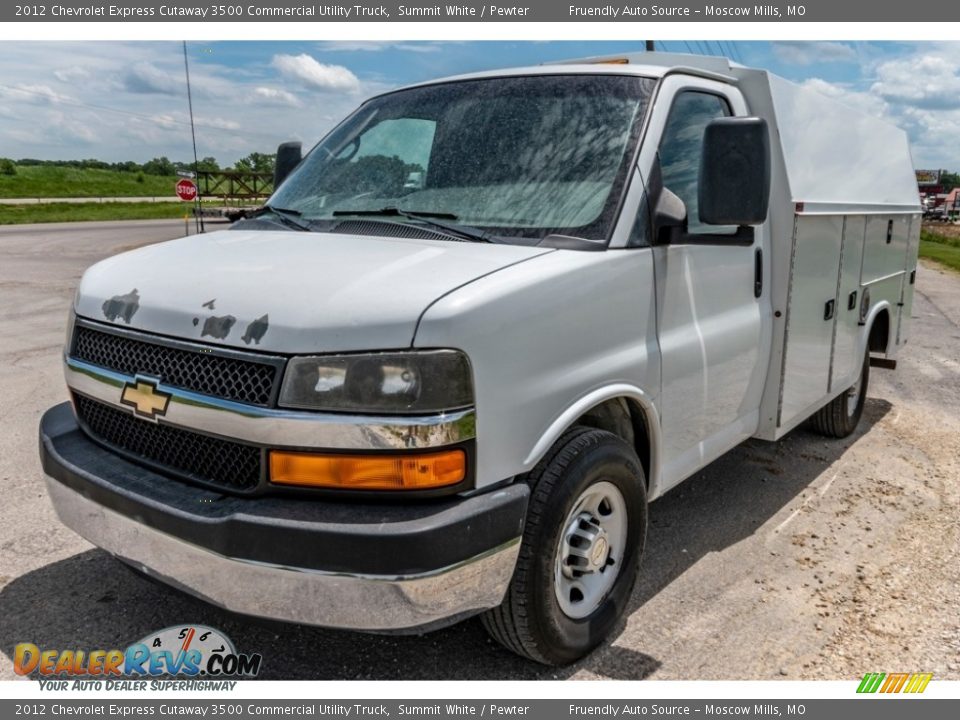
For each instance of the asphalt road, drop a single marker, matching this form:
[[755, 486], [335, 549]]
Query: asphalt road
[[805, 558]]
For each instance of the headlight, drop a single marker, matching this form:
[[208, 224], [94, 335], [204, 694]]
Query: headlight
[[416, 382]]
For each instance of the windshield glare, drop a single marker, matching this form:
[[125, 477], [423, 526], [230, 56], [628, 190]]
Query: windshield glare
[[516, 156]]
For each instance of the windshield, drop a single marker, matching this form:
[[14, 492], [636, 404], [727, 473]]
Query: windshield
[[512, 156]]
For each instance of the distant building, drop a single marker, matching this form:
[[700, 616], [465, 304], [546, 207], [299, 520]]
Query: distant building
[[929, 181]]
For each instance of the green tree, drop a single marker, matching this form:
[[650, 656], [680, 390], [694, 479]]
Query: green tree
[[7, 167], [949, 180], [160, 166], [256, 162], [208, 164]]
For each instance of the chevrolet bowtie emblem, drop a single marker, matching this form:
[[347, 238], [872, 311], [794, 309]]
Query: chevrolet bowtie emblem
[[143, 396]]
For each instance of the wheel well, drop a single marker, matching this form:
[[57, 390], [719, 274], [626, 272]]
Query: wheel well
[[879, 333], [624, 418]]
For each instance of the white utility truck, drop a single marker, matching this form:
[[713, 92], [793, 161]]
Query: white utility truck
[[473, 333]]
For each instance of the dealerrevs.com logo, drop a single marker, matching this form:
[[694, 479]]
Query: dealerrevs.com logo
[[181, 651]]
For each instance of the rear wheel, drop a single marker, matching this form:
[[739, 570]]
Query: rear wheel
[[581, 549], [840, 417]]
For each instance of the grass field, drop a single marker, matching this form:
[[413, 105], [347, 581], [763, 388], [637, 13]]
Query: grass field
[[42, 181], [73, 212], [937, 246]]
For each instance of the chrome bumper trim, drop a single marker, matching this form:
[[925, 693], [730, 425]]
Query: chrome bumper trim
[[359, 602], [279, 428]]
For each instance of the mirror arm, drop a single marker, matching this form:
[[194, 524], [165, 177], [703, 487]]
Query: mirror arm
[[669, 216]]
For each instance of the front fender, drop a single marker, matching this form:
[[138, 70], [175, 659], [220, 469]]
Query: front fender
[[547, 339]]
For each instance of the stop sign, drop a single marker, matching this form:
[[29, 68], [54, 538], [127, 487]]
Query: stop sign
[[186, 190]]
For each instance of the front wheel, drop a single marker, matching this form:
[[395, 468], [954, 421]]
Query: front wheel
[[581, 549], [840, 417]]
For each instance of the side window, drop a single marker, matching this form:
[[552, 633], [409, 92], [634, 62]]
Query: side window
[[680, 151]]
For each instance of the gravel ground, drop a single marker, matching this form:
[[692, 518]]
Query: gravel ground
[[804, 558]]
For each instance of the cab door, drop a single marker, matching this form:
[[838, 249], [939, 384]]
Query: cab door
[[713, 311]]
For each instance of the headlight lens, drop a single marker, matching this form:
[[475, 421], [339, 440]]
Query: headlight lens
[[416, 382]]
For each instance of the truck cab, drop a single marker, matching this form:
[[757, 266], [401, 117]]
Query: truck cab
[[475, 331]]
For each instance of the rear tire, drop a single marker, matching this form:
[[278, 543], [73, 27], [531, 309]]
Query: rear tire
[[840, 417], [587, 517]]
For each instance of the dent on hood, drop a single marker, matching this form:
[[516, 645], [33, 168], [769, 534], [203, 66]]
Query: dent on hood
[[122, 306]]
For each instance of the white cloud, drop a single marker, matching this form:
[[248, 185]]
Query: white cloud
[[144, 77], [71, 129], [275, 96], [71, 75], [306, 70], [33, 94], [857, 99], [925, 80], [812, 53], [217, 123], [374, 46]]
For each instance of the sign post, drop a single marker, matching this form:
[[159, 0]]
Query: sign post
[[187, 192]]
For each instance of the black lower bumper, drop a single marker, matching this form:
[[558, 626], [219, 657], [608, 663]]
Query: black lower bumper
[[354, 538]]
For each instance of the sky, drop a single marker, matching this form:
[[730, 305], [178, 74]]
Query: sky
[[127, 100]]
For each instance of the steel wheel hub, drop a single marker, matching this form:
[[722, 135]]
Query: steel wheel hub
[[590, 549]]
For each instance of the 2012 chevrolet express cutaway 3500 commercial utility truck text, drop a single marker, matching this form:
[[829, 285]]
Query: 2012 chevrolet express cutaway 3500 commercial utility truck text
[[473, 333]]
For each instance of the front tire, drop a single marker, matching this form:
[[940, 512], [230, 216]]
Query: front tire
[[580, 553], [840, 417]]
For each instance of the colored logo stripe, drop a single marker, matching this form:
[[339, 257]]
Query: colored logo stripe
[[894, 682]]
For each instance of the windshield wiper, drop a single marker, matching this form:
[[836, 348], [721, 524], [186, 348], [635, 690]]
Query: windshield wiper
[[287, 216], [433, 219]]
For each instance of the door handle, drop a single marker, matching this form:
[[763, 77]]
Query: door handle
[[852, 300], [758, 273], [828, 309]]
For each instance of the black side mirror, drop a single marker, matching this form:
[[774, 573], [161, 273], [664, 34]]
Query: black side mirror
[[734, 187], [289, 155]]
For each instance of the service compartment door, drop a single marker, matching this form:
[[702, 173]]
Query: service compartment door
[[885, 247], [846, 352], [909, 280], [811, 313]]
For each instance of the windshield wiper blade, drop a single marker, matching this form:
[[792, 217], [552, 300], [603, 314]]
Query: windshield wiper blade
[[428, 218], [287, 216]]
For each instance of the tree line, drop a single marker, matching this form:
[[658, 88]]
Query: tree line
[[254, 162]]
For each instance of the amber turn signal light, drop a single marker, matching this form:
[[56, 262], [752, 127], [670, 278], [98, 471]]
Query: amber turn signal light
[[421, 471]]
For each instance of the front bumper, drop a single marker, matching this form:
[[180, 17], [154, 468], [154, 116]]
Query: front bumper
[[377, 568]]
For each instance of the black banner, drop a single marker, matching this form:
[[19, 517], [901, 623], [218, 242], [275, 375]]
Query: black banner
[[473, 11]]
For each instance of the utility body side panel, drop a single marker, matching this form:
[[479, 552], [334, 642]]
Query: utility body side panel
[[833, 168]]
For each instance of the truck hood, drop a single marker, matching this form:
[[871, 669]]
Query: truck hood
[[288, 292]]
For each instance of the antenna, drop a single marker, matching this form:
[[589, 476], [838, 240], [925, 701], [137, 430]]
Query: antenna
[[193, 135]]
